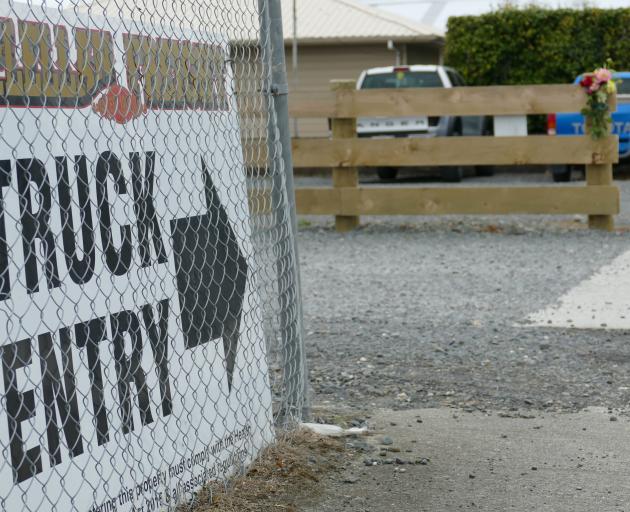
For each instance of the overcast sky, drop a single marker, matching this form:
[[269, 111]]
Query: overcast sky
[[437, 12]]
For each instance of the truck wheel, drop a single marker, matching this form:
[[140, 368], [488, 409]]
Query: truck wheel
[[452, 174], [387, 173], [561, 173]]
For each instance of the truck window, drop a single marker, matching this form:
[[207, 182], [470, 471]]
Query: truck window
[[402, 80], [623, 89]]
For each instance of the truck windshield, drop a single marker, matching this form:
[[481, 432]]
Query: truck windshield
[[402, 80]]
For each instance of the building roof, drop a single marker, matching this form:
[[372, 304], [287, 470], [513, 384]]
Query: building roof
[[319, 21], [436, 13], [335, 21]]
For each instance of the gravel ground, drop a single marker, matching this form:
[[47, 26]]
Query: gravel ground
[[428, 312]]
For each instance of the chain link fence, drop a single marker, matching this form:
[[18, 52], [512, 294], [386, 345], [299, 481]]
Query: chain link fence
[[149, 291]]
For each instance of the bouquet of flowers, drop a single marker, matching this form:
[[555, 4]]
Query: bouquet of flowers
[[599, 86]]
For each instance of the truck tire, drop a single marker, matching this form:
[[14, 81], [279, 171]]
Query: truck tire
[[561, 173], [387, 173], [454, 174], [487, 130]]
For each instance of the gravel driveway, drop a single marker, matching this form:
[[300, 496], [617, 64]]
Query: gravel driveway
[[426, 312]]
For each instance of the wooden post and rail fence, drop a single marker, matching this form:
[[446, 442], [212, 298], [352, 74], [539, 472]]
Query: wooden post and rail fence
[[344, 153]]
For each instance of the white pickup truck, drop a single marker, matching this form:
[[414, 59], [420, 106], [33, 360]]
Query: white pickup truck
[[421, 76]]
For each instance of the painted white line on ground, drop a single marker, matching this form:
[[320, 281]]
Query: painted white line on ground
[[599, 302]]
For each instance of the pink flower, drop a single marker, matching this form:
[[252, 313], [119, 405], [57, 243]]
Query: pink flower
[[603, 75]]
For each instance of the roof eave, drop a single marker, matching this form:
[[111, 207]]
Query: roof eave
[[365, 40]]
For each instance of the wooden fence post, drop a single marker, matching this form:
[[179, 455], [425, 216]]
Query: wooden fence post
[[344, 177], [601, 174]]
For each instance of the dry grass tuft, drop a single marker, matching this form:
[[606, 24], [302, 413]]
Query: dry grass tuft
[[283, 475]]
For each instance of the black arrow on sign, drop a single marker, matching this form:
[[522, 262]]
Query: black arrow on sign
[[211, 276]]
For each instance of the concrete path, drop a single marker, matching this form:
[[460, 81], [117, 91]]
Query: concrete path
[[556, 463]]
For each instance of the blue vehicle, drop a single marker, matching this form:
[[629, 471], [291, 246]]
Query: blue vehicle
[[573, 124]]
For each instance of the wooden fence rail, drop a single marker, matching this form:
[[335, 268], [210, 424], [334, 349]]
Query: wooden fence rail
[[409, 152], [344, 153], [346, 102]]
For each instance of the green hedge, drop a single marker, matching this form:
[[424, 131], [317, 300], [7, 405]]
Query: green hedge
[[536, 45]]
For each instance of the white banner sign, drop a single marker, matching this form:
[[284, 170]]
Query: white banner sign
[[132, 356]]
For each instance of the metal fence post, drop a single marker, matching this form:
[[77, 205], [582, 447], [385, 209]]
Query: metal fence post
[[294, 359]]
